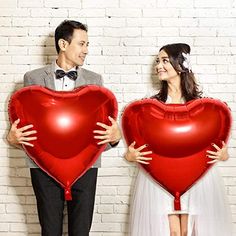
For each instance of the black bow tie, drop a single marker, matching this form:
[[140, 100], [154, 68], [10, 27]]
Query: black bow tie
[[61, 73]]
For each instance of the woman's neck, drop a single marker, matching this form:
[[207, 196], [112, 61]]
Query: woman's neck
[[174, 91]]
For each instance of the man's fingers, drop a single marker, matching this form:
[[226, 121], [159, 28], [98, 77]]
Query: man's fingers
[[101, 137], [215, 146], [28, 133], [99, 132], [27, 144], [212, 157], [16, 122], [211, 152], [22, 129], [102, 125], [27, 138], [112, 120]]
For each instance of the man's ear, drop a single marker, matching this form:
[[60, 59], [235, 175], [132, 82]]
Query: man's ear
[[62, 43]]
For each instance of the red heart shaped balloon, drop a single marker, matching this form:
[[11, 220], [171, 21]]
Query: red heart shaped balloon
[[65, 147], [179, 136]]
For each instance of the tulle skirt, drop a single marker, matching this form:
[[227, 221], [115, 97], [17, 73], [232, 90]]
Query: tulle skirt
[[205, 203]]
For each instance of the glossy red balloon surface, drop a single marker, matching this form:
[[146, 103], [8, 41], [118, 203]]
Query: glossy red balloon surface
[[179, 136], [65, 147]]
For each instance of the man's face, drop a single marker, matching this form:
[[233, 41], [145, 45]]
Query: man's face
[[76, 51]]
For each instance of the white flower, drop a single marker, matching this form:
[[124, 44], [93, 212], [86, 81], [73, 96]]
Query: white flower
[[187, 62]]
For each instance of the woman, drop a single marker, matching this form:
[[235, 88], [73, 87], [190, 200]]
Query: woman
[[204, 209]]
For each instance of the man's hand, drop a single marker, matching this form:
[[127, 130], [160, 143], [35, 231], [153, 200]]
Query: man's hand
[[110, 134], [20, 136]]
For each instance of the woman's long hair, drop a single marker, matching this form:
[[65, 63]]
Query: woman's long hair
[[177, 53]]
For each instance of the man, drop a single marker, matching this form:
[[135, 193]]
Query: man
[[65, 73]]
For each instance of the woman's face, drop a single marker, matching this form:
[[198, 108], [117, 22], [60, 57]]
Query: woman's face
[[165, 71]]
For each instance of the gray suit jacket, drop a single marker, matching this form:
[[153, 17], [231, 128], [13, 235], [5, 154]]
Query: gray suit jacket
[[44, 77]]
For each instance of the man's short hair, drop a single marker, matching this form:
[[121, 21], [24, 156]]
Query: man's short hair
[[66, 29]]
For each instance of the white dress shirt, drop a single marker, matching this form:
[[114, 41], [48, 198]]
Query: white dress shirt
[[64, 83]]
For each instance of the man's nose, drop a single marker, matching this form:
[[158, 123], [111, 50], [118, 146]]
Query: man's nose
[[85, 50]]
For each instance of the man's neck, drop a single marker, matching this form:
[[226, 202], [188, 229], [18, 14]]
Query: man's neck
[[64, 65]]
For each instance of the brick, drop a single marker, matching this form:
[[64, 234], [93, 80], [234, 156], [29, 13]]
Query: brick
[[162, 13], [108, 22], [29, 21], [175, 4], [138, 4], [120, 12], [127, 31], [106, 227], [85, 13], [150, 31], [191, 31], [100, 4], [115, 218], [8, 4], [107, 191], [113, 172], [48, 12], [212, 4], [105, 208], [103, 60], [33, 3], [13, 11], [4, 227], [13, 31], [200, 13]]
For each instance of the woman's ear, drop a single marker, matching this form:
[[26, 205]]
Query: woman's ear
[[62, 43]]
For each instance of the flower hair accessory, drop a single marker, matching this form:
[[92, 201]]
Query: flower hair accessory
[[187, 62]]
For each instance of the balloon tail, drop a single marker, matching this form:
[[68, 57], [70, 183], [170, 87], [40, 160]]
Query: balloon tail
[[68, 196], [177, 204]]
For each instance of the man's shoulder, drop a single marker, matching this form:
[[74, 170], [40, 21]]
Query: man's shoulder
[[90, 73], [38, 71]]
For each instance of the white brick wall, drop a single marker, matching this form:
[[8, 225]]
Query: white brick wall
[[124, 38]]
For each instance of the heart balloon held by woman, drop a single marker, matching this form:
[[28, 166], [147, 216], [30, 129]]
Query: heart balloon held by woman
[[65, 147], [179, 136]]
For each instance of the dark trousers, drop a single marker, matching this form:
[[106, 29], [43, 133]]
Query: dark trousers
[[50, 203]]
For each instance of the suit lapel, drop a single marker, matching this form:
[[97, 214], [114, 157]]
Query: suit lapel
[[81, 80], [49, 78]]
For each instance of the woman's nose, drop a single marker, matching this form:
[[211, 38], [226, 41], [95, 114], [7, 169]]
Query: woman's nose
[[159, 66]]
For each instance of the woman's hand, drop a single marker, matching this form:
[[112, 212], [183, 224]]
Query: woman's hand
[[136, 155], [221, 154], [111, 134], [20, 136]]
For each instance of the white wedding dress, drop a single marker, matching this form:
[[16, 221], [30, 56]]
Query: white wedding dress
[[205, 203]]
